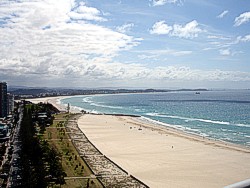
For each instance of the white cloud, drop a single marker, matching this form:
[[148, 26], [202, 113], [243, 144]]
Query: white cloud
[[42, 39], [182, 53], [83, 12], [163, 2], [143, 56], [161, 28], [245, 38], [222, 14], [240, 39], [225, 52], [243, 18], [168, 52], [226, 45], [125, 28], [41, 45], [219, 37], [190, 30], [116, 73], [154, 54]]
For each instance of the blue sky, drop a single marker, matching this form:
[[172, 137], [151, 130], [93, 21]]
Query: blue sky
[[145, 43]]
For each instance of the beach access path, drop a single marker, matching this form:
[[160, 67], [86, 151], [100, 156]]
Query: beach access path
[[163, 157]]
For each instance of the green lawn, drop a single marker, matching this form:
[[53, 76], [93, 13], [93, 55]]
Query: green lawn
[[72, 163]]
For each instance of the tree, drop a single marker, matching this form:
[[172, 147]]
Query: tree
[[68, 107]]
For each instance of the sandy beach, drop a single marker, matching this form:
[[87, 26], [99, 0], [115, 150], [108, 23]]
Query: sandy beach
[[54, 101], [163, 157]]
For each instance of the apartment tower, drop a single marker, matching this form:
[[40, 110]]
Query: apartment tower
[[3, 99]]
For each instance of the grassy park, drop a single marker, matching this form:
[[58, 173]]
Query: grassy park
[[77, 172]]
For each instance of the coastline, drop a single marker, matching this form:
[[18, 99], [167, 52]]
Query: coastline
[[146, 122], [54, 101], [193, 136], [160, 155]]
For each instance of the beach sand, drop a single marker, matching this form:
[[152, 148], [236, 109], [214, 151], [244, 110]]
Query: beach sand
[[163, 157], [54, 101]]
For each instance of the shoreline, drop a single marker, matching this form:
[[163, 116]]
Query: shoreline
[[192, 136], [144, 120], [157, 157], [139, 121], [178, 132]]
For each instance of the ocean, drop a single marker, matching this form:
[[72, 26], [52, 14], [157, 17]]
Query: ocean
[[219, 115]]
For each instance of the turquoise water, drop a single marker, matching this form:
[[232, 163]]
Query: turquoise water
[[221, 115]]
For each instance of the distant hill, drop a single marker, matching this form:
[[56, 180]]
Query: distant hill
[[28, 91], [46, 92]]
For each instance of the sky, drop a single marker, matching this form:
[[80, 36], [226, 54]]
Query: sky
[[126, 43]]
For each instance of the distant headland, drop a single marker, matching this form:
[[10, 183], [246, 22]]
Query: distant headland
[[28, 92]]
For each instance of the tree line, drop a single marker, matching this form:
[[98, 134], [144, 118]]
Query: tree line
[[40, 163]]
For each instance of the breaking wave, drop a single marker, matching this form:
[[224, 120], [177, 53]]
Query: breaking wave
[[196, 119]]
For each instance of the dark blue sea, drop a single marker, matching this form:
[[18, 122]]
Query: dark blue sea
[[220, 115]]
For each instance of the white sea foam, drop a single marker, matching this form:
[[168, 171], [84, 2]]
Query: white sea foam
[[148, 120], [192, 129], [156, 114], [94, 112], [99, 104], [106, 106], [76, 108], [58, 101], [204, 135], [242, 125], [73, 108], [138, 110], [186, 119], [201, 120], [188, 130], [197, 131], [87, 100]]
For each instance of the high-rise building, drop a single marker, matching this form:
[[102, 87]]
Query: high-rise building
[[10, 105], [3, 99]]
